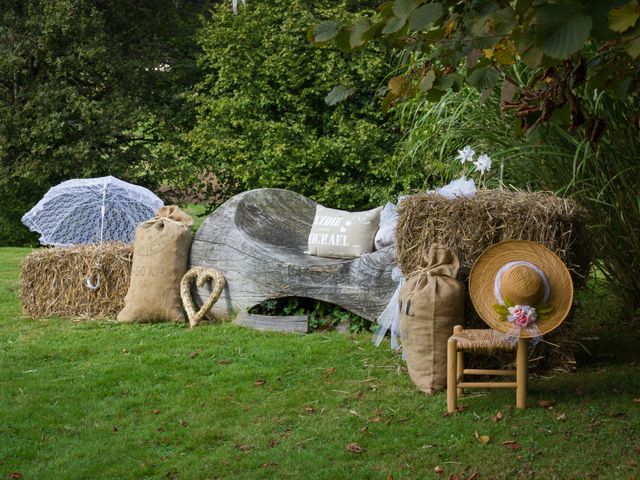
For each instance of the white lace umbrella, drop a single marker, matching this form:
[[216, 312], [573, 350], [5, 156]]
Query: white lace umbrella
[[92, 210]]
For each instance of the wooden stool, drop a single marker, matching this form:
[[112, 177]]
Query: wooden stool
[[487, 341]]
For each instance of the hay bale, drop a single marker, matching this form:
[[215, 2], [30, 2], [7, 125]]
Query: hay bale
[[470, 225], [52, 281]]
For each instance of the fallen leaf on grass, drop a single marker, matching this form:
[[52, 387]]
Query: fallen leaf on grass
[[273, 443], [546, 403], [353, 447], [498, 417], [14, 475], [224, 361], [561, 418], [259, 382], [483, 439], [616, 414], [636, 400], [579, 392], [453, 476], [511, 444], [375, 420], [309, 410], [114, 429], [267, 465], [389, 477], [184, 423], [194, 354], [363, 429], [330, 370], [438, 469], [155, 411], [245, 448], [474, 476]]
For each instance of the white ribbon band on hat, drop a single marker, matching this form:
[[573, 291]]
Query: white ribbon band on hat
[[496, 284]]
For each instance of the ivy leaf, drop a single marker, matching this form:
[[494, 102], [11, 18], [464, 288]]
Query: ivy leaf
[[357, 35], [402, 8], [633, 47], [427, 81], [425, 16], [623, 18], [394, 24], [397, 85], [483, 76], [325, 31], [338, 94], [373, 31], [562, 29]]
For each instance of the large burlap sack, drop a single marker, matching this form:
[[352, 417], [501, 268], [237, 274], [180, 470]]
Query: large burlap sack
[[160, 256], [431, 303]]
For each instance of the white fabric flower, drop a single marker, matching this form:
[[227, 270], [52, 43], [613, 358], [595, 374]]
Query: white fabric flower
[[466, 154], [462, 187], [483, 164]]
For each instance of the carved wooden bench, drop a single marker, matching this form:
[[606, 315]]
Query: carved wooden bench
[[257, 240]]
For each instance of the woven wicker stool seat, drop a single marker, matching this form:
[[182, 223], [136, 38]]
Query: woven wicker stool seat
[[482, 340], [485, 341]]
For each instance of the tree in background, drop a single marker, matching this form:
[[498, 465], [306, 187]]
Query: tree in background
[[89, 88], [262, 120]]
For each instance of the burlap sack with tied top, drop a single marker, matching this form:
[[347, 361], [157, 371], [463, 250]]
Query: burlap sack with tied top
[[431, 303], [160, 256]]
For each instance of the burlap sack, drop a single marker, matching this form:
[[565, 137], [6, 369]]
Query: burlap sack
[[431, 303], [160, 256]]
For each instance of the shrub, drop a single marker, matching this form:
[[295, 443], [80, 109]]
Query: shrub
[[261, 116]]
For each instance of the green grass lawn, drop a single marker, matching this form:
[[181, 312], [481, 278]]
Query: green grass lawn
[[98, 400]]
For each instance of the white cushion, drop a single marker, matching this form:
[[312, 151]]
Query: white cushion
[[340, 234]]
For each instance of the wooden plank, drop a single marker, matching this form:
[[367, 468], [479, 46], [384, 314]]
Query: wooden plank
[[296, 324], [487, 385], [474, 371]]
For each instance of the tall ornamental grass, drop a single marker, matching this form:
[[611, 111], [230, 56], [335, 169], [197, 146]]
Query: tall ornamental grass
[[603, 176]]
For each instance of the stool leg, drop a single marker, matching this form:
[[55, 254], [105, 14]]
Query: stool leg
[[522, 372], [452, 372], [459, 370]]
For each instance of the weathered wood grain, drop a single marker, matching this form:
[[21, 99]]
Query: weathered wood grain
[[257, 240], [295, 324]]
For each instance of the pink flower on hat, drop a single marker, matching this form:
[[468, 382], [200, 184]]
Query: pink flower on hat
[[522, 315]]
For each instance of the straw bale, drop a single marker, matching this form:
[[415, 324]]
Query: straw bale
[[470, 225], [52, 281]]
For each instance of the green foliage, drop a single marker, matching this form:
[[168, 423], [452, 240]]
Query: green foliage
[[566, 42], [322, 315], [604, 177], [88, 89], [262, 120]]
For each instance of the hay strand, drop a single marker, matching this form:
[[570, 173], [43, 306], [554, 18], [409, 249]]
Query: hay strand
[[52, 281]]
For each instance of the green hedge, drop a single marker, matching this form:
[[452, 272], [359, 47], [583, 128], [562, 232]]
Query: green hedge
[[261, 116]]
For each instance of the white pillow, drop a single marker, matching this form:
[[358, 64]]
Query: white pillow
[[340, 234]]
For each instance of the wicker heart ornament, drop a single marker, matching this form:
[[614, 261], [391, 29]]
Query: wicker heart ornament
[[201, 275]]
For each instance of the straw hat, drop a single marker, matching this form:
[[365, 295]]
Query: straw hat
[[521, 273]]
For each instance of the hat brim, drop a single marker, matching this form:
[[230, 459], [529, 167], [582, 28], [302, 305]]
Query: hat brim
[[483, 273]]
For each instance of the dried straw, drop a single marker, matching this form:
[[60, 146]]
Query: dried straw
[[52, 281], [470, 225]]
